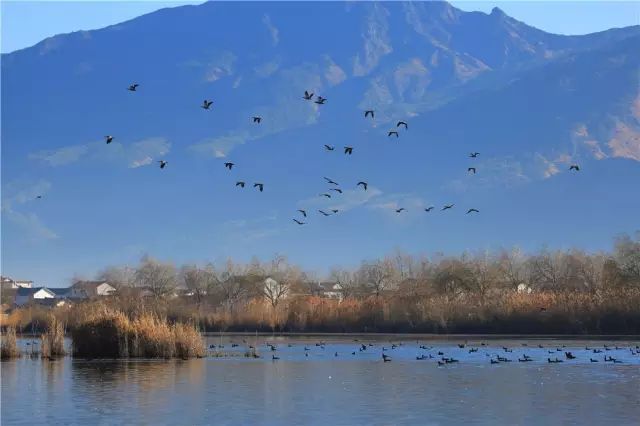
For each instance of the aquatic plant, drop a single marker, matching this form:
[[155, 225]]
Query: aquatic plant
[[9, 345]]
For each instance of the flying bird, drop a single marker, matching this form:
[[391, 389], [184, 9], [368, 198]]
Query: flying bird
[[240, 184], [108, 139], [335, 211], [206, 104], [348, 150], [329, 147], [368, 113], [473, 211], [38, 197], [326, 195], [447, 207], [133, 87], [428, 209], [229, 165], [402, 123], [257, 119], [260, 186], [400, 210], [575, 167], [304, 212], [336, 189], [321, 100], [364, 185], [298, 222], [324, 213], [474, 154], [393, 132], [163, 164], [472, 170], [331, 181], [308, 96]]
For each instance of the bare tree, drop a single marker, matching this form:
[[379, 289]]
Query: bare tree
[[376, 276], [118, 276], [627, 255], [282, 277], [346, 279], [198, 280], [159, 277]]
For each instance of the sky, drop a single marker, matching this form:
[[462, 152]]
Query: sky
[[25, 23], [110, 204]]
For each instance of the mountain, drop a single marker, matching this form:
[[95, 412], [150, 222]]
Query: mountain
[[531, 102]]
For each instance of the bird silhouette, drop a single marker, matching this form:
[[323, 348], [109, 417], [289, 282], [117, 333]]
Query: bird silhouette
[[364, 184], [400, 210], [108, 139], [38, 197], [163, 164], [330, 181], [474, 154], [338, 190], [393, 132], [329, 147], [308, 96], [260, 186], [473, 211], [402, 123], [324, 213], [298, 222], [447, 207], [133, 87], [575, 167], [348, 150], [325, 195], [229, 165], [304, 212], [472, 170], [335, 211], [257, 119], [428, 209], [368, 113], [320, 100], [240, 184], [206, 104]]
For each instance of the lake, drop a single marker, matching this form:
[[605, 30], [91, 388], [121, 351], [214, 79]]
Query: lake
[[336, 383]]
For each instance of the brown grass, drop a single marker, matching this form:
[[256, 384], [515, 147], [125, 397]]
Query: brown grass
[[52, 341], [9, 345]]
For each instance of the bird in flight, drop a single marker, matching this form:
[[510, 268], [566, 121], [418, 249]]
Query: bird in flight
[[229, 165], [472, 170], [133, 87], [402, 123], [308, 96], [474, 154], [240, 184], [473, 211], [329, 147], [38, 197], [448, 206], [336, 189], [304, 212], [364, 185], [368, 113], [321, 100], [393, 132], [163, 164], [324, 213], [298, 222], [428, 209], [108, 139], [260, 186], [348, 150], [335, 211], [400, 210], [206, 104], [325, 195], [575, 167], [331, 181], [257, 119]]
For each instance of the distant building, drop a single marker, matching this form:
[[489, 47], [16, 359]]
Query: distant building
[[330, 290], [25, 296], [90, 289], [11, 284], [523, 289]]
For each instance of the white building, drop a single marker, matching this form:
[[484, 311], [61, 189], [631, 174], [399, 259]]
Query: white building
[[90, 289], [29, 295], [9, 283]]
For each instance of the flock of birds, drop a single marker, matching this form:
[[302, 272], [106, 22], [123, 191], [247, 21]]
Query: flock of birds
[[348, 150], [494, 355]]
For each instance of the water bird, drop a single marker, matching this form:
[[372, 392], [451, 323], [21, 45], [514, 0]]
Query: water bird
[[229, 165], [325, 195], [336, 354], [400, 210], [474, 154], [363, 184], [329, 147], [440, 353], [163, 164], [493, 361], [461, 345], [320, 100], [257, 119], [338, 190], [260, 186], [334, 211], [393, 133], [108, 139], [330, 181], [348, 150], [206, 104], [353, 353], [275, 358], [447, 207], [386, 358], [593, 360], [368, 112], [473, 211], [240, 184], [428, 209], [304, 212], [569, 355], [298, 222], [440, 363], [133, 87], [471, 170], [472, 350], [553, 361], [38, 197], [422, 357], [308, 96], [402, 123], [574, 167], [524, 359], [324, 213]]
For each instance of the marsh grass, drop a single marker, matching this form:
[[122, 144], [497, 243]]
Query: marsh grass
[[9, 346], [52, 341]]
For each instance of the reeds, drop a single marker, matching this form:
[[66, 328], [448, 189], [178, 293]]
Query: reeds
[[52, 341], [9, 345]]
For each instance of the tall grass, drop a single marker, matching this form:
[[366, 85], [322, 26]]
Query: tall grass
[[53, 339], [9, 345]]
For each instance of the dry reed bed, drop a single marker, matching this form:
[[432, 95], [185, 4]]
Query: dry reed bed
[[9, 345]]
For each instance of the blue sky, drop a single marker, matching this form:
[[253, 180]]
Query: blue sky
[[97, 199]]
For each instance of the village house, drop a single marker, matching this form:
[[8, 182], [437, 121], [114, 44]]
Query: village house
[[25, 296], [11, 284], [90, 289]]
